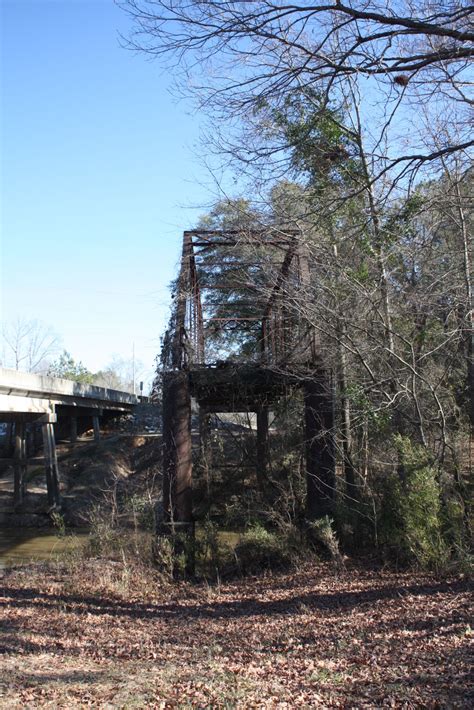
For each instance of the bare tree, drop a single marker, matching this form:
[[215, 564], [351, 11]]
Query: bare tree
[[121, 374], [244, 59], [28, 345]]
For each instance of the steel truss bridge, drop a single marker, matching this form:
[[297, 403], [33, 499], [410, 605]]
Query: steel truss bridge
[[238, 340]]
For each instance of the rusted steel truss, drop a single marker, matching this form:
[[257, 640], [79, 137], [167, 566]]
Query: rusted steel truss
[[245, 288], [240, 281]]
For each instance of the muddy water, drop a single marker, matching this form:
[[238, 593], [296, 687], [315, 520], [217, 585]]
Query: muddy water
[[20, 546]]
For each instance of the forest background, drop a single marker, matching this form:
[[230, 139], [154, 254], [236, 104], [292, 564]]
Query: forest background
[[353, 125]]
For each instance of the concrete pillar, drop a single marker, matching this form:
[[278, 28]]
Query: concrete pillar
[[96, 425], [20, 463], [37, 437], [263, 450], [73, 432], [10, 440], [320, 450], [51, 464]]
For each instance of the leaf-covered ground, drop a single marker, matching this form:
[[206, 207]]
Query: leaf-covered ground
[[360, 638]]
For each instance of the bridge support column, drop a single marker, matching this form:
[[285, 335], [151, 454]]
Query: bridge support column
[[51, 464], [10, 440], [178, 467], [20, 463], [205, 445], [319, 437], [96, 425], [263, 450], [177, 458], [73, 432]]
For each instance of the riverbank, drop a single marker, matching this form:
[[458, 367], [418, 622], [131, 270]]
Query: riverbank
[[104, 635], [120, 468]]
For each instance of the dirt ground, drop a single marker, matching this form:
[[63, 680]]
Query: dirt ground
[[106, 636]]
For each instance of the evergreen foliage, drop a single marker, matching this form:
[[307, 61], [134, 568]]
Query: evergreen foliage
[[70, 369]]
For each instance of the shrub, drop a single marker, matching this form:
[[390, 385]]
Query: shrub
[[411, 509], [260, 549], [108, 540], [322, 530], [163, 554], [210, 550], [58, 522], [142, 509], [103, 534]]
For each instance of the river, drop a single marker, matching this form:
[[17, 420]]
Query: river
[[20, 546]]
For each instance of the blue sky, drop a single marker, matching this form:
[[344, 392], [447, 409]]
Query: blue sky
[[99, 179]]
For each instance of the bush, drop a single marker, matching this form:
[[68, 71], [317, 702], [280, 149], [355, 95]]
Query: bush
[[212, 554], [411, 521], [108, 540], [142, 510], [260, 549], [163, 555], [323, 532]]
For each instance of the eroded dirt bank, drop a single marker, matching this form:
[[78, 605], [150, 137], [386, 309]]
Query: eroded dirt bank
[[104, 636], [119, 466]]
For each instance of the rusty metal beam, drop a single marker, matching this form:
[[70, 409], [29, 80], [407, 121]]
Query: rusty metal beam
[[230, 318], [240, 242], [232, 304], [283, 273], [209, 233], [197, 307], [230, 287], [178, 337], [240, 264]]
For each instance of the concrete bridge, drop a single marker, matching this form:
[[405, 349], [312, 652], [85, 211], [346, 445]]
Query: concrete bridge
[[43, 403]]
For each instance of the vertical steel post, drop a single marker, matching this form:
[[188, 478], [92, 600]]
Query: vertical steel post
[[263, 450], [205, 445], [320, 453], [178, 354], [264, 342], [177, 458]]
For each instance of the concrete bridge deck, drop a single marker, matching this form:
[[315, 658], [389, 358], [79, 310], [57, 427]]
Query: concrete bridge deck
[[52, 406], [23, 393]]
